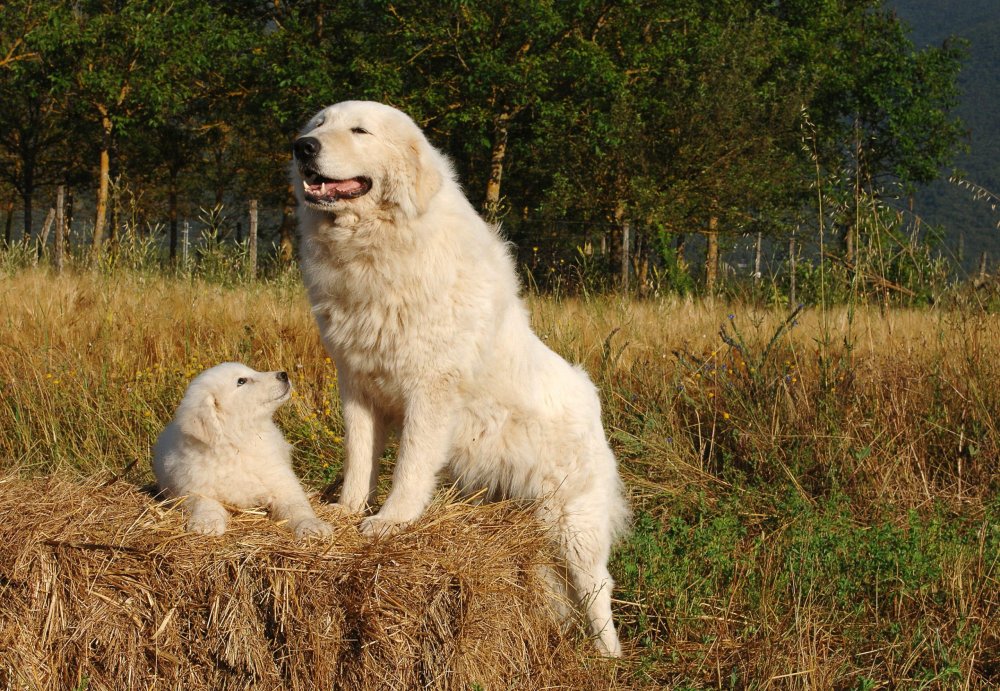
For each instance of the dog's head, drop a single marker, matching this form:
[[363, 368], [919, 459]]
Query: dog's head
[[230, 398], [362, 156]]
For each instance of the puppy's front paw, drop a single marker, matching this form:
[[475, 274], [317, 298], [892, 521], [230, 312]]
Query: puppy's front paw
[[207, 525], [376, 526], [312, 527]]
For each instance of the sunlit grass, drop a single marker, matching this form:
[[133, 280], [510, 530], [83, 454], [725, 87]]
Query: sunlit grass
[[816, 499]]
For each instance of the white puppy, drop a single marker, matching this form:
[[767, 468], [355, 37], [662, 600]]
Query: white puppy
[[222, 447], [417, 301]]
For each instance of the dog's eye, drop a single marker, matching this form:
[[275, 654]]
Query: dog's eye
[[241, 381], [360, 130]]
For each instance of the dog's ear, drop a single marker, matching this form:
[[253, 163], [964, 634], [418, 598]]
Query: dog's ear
[[421, 177], [199, 418]]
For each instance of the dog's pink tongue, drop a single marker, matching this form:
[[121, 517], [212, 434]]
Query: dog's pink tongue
[[341, 186]]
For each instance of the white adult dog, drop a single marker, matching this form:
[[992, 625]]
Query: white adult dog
[[417, 301], [222, 447]]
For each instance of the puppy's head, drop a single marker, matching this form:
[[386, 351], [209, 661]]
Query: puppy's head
[[360, 156], [230, 398]]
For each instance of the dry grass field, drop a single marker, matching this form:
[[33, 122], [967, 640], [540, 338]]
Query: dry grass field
[[817, 498]]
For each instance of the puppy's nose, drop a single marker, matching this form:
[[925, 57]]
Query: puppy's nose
[[306, 148], [282, 376]]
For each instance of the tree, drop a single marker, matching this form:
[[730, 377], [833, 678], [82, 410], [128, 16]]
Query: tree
[[33, 137], [140, 63], [882, 111]]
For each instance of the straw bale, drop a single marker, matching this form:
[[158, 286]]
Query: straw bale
[[100, 588]]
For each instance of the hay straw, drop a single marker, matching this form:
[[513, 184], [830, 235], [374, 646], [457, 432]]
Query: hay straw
[[100, 588]]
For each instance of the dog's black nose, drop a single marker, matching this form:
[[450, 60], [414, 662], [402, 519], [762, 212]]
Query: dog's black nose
[[282, 376], [306, 148]]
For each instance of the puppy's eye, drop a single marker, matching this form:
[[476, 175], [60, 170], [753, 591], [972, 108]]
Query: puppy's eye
[[241, 381], [360, 130]]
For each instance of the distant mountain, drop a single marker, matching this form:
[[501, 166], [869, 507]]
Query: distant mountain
[[970, 225]]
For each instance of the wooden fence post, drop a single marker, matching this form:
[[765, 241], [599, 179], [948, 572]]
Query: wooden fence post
[[791, 262], [57, 254], [185, 237], [43, 237], [626, 232], [756, 258], [252, 241]]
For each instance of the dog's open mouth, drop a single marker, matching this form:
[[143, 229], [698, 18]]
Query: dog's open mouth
[[319, 189]]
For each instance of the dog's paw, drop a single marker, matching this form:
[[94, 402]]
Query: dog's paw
[[312, 527], [376, 526], [207, 525]]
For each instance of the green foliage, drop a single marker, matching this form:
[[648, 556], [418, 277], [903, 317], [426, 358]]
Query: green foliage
[[671, 115], [680, 572]]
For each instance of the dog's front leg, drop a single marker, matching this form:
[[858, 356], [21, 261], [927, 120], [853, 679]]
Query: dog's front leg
[[364, 442], [206, 515], [428, 426]]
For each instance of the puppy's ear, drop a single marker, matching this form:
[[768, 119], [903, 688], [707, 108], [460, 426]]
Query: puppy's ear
[[199, 418], [421, 177]]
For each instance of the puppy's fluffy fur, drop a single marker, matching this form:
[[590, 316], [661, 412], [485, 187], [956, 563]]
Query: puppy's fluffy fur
[[417, 301], [222, 447]]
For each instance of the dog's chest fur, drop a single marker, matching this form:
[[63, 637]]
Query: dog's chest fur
[[386, 322]]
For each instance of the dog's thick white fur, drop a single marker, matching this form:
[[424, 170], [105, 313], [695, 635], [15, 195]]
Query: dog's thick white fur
[[417, 301], [222, 447]]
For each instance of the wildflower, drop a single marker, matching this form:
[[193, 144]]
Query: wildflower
[[732, 317], [725, 416]]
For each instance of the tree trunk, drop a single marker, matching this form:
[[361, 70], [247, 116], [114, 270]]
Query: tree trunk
[[8, 224], [172, 214], [220, 188], [114, 205], [712, 256], [69, 220], [252, 241], [26, 200], [642, 260], [848, 240], [491, 206], [286, 248], [102, 188]]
